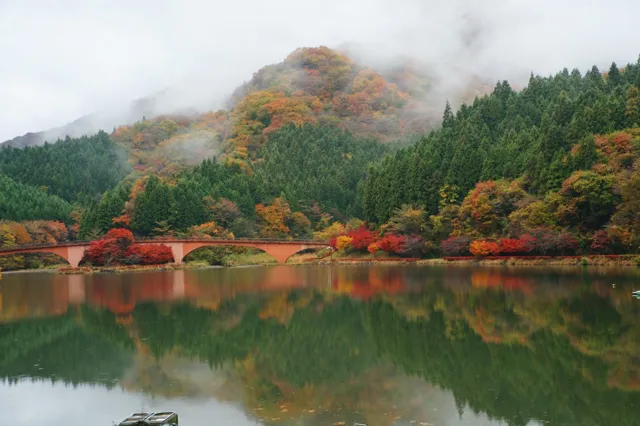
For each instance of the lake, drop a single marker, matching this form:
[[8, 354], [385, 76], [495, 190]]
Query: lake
[[323, 345]]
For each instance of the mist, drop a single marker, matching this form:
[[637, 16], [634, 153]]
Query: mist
[[66, 59]]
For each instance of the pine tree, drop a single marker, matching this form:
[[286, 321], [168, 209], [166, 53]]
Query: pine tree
[[448, 119], [154, 206], [613, 78]]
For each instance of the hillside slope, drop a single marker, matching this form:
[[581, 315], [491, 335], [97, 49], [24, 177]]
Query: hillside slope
[[312, 85]]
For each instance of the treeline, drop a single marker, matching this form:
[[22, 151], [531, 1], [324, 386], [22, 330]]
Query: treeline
[[508, 135], [75, 169], [306, 176], [535, 172]]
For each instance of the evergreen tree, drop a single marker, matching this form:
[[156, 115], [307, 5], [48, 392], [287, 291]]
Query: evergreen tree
[[614, 78], [153, 207], [447, 118], [191, 209], [23, 202], [75, 169]]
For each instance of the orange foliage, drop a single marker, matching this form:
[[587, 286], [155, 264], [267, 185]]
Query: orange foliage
[[273, 218], [20, 233], [484, 248], [208, 230]]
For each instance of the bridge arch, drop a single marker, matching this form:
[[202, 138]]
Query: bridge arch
[[280, 251], [71, 253]]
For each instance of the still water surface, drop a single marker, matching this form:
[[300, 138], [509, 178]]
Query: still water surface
[[282, 345]]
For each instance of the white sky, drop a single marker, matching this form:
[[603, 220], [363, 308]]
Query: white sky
[[61, 59]]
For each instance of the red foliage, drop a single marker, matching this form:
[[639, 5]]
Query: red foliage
[[104, 252], [124, 237], [115, 247], [553, 242], [362, 238], [601, 242], [566, 243], [333, 243], [456, 246], [414, 246], [149, 254], [524, 244], [391, 243]]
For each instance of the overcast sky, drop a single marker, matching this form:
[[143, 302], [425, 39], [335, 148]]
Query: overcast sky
[[63, 59]]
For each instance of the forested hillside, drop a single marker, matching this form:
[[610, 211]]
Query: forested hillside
[[23, 202], [316, 164], [305, 176], [551, 169], [74, 169], [534, 134], [553, 160], [317, 86]]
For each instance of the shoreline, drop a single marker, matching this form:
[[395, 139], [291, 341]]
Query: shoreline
[[631, 261]]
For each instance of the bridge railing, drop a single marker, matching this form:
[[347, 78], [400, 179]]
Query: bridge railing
[[165, 240]]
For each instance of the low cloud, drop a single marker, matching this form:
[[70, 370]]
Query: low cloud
[[62, 60]]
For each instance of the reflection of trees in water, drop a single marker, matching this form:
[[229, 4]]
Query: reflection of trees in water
[[564, 353], [60, 349]]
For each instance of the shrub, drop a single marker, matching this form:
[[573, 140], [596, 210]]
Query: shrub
[[104, 252], [150, 254], [412, 246], [123, 237], [484, 248], [523, 245], [391, 243], [343, 242], [361, 238], [456, 246], [566, 243]]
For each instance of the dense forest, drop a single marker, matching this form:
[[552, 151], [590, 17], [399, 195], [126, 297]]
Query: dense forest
[[553, 169], [74, 169], [19, 201]]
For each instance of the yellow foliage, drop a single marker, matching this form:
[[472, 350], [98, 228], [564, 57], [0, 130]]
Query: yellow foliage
[[333, 230], [343, 242], [273, 218]]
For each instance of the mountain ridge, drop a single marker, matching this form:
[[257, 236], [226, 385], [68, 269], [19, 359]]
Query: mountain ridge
[[354, 98]]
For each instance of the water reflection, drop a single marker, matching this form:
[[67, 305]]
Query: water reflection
[[284, 345]]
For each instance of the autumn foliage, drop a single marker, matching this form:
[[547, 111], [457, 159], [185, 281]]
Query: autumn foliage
[[484, 248], [391, 243], [362, 237], [149, 254], [116, 247]]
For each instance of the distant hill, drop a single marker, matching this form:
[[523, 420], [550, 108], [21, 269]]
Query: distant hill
[[312, 85]]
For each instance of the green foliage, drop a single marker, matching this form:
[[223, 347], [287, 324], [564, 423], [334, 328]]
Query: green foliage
[[318, 164], [19, 201], [98, 219], [154, 208], [75, 169], [509, 135]]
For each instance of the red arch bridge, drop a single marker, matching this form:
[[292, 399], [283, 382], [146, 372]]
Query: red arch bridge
[[281, 250]]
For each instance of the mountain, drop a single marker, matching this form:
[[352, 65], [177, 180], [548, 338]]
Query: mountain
[[312, 85]]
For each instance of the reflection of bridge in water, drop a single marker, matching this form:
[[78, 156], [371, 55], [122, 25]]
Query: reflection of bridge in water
[[54, 294], [21, 296], [281, 250]]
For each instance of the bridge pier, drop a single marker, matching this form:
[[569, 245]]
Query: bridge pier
[[75, 255], [177, 249]]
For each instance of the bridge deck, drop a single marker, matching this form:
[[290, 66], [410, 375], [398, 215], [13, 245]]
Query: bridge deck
[[73, 252]]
